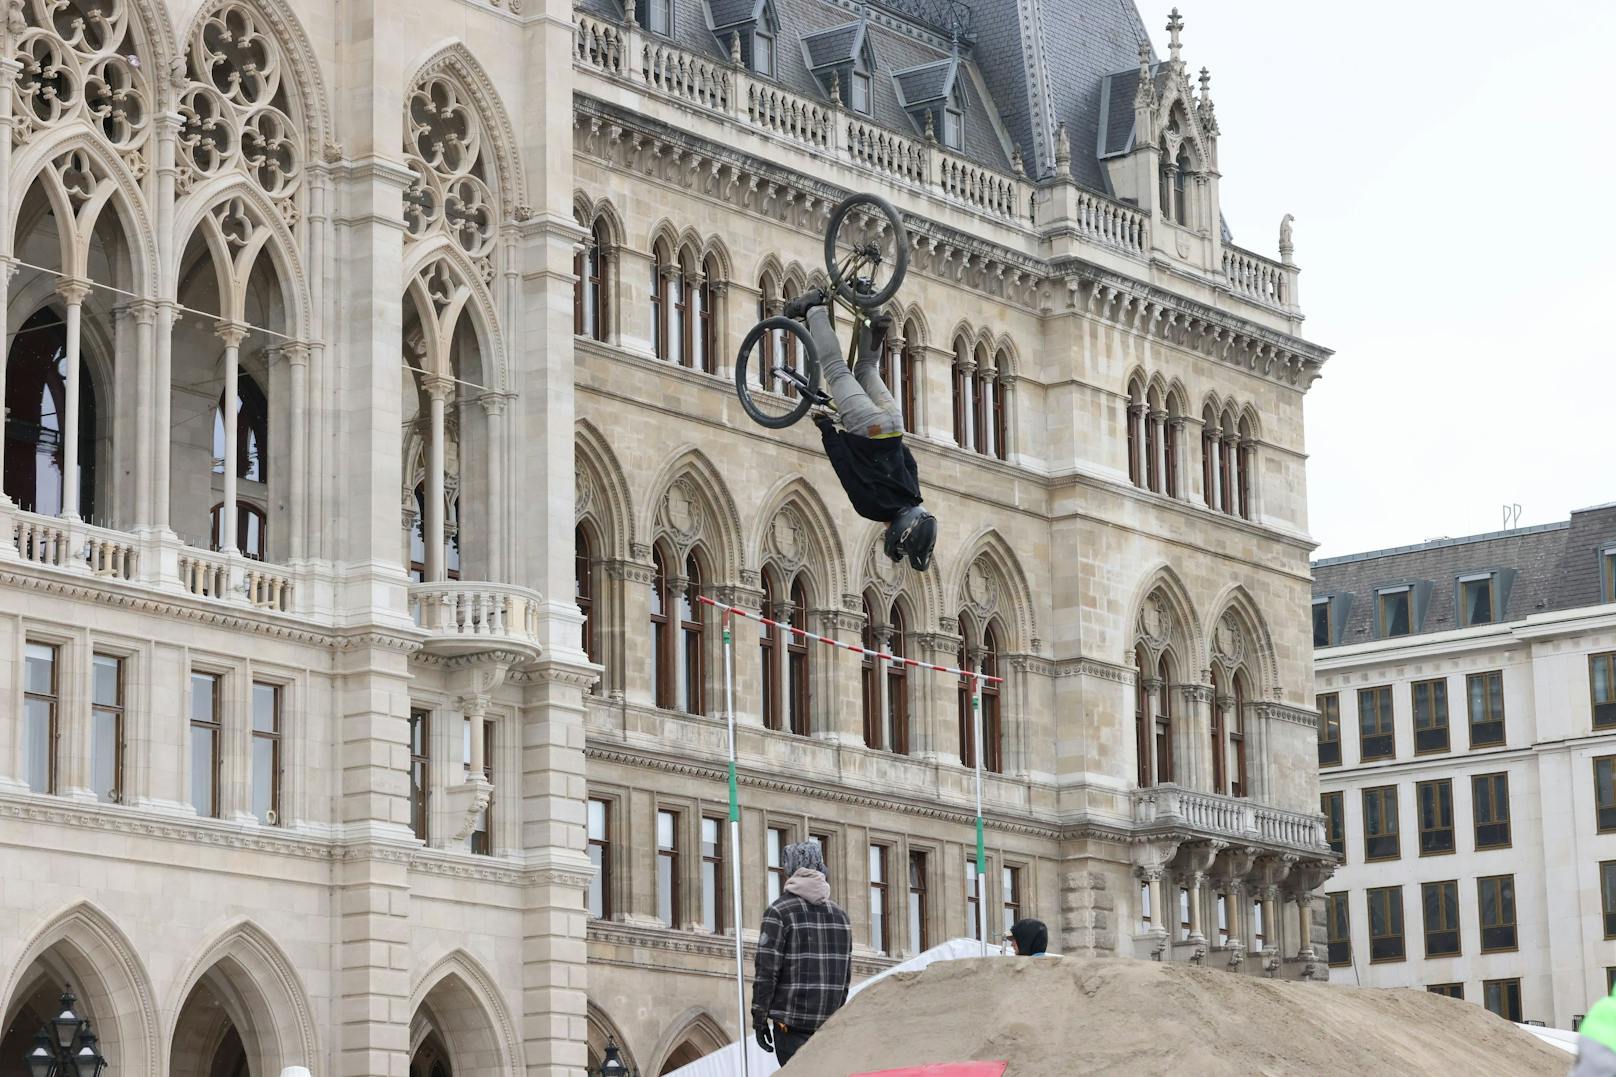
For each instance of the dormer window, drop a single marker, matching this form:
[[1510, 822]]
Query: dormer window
[[859, 95], [842, 60], [656, 16], [763, 54], [1607, 573], [1321, 622], [953, 128], [750, 24], [1394, 612], [934, 96], [1477, 600]]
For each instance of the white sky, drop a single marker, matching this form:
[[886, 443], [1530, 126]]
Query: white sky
[[1452, 174]]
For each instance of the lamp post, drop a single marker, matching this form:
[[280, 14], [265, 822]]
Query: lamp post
[[65, 1046], [612, 1065]]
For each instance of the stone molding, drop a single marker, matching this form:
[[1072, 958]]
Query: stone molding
[[1098, 669], [1281, 712]]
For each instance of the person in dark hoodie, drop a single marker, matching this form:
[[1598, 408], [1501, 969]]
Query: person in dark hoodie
[[1030, 937], [867, 452], [804, 956]]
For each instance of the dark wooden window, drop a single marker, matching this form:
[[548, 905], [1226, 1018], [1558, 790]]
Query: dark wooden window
[[1132, 413], [1321, 623], [1476, 600], [1164, 722], [659, 328], [1333, 805], [778, 839], [1430, 716], [869, 680], [712, 874], [897, 677], [667, 837], [482, 831], [1141, 717], [1485, 692], [1010, 894], [1441, 905], [1338, 919], [1376, 739], [420, 771], [1394, 612], [1220, 752], [1495, 903], [769, 653], [1489, 798], [1329, 706], [919, 933], [703, 329], [973, 893], [1602, 689], [879, 941], [1435, 800], [1209, 461], [662, 668], [40, 703], [266, 752], [962, 407], [1503, 997], [589, 291], [1237, 738], [206, 730], [106, 728], [1607, 896], [1448, 990], [1386, 924], [797, 666], [599, 830], [252, 530], [1605, 793], [693, 642], [1380, 823], [992, 725], [1172, 432], [583, 572]]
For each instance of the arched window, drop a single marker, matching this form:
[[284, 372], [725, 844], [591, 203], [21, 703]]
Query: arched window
[[1141, 715], [1174, 424], [999, 409], [583, 572], [1153, 445], [769, 648], [782, 347], [703, 332], [692, 639], [1164, 722], [1220, 751], [1209, 457], [982, 405], [35, 398], [964, 389], [797, 662], [662, 675], [984, 660], [660, 271], [1237, 737], [1180, 202], [1164, 172], [1245, 458], [676, 303], [1226, 490], [251, 529], [1136, 432], [886, 691], [451, 535], [589, 291], [867, 676], [897, 686], [252, 430]]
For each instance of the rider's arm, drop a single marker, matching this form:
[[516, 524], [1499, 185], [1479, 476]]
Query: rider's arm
[[836, 449]]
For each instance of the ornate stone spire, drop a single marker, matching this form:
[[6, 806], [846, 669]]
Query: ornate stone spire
[[1204, 106], [1175, 25], [1145, 95]]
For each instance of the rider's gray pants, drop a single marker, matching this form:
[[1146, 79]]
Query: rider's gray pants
[[863, 404]]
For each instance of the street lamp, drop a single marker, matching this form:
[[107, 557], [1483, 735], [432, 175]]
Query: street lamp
[[65, 1046], [612, 1065]]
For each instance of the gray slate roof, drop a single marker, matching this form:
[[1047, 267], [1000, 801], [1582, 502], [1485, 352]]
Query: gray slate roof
[[831, 46], [1042, 62], [922, 85], [1555, 567]]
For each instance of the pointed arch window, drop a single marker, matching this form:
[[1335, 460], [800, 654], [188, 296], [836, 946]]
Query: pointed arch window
[[897, 685], [983, 659], [1245, 458], [1172, 435], [35, 406], [886, 688], [964, 393], [1237, 737], [1141, 716], [797, 664], [868, 678], [1136, 432], [1220, 751], [662, 671], [1209, 458], [692, 641], [583, 572], [769, 652], [1164, 722], [703, 343], [1180, 201], [782, 345], [252, 430], [589, 290]]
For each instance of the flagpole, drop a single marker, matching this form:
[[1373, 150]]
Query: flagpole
[[735, 854], [981, 847]]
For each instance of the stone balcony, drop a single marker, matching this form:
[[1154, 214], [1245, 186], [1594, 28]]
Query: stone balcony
[[1171, 811], [463, 618]]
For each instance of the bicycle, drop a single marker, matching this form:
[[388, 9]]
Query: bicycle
[[866, 257]]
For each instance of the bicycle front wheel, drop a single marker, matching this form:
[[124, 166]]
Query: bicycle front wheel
[[866, 250], [774, 357]]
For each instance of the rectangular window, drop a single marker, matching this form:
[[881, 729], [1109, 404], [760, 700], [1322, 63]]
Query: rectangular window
[[39, 703], [1441, 903], [1610, 979], [1607, 570], [1010, 887], [1605, 793], [1338, 918], [1435, 799], [1607, 896], [1145, 918], [599, 830], [1430, 716], [205, 731], [1476, 600], [1333, 805], [763, 55], [1489, 799], [1381, 839], [1503, 997], [953, 128], [778, 840], [482, 831], [712, 874], [1321, 622], [1486, 694], [1602, 689], [878, 899], [823, 841], [1386, 924], [1496, 900], [667, 835], [861, 92], [1223, 919], [1448, 990], [1183, 912], [420, 775], [1376, 739], [106, 728], [1259, 937], [266, 752], [973, 892], [661, 12], [1329, 729], [1393, 608], [919, 936]]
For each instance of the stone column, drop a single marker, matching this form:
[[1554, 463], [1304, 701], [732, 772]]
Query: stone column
[[73, 292], [1192, 736], [232, 334], [438, 389], [963, 402], [1175, 457], [881, 707], [1138, 443], [497, 513], [1148, 763], [837, 685], [1197, 880], [724, 343], [1158, 449], [1273, 924], [297, 357], [1226, 483]]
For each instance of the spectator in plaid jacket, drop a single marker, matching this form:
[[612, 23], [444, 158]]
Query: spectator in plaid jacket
[[804, 956]]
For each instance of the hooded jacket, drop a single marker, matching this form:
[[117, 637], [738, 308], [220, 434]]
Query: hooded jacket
[[804, 955], [1032, 937]]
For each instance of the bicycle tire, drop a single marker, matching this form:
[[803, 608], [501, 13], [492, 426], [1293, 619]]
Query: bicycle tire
[[775, 420], [900, 251]]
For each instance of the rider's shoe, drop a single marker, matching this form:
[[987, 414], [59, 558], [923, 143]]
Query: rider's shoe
[[798, 306]]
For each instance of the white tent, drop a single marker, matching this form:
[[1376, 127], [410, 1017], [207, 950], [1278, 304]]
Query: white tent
[[760, 1063]]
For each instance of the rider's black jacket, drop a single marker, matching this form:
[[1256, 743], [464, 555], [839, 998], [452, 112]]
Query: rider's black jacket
[[877, 473]]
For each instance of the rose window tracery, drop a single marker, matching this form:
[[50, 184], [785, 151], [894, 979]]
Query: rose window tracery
[[443, 148], [79, 60]]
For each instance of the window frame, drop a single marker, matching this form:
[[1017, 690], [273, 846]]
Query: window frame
[[1606, 660], [1607, 570], [1494, 781], [1436, 699], [1010, 894], [274, 738], [1338, 946], [1448, 919], [1333, 806], [1503, 901], [1442, 789], [53, 714], [1393, 898], [1607, 896], [671, 854], [712, 866], [1383, 795], [215, 728], [1492, 693], [1385, 724], [880, 898], [693, 640], [481, 841], [917, 911], [973, 893], [583, 573], [1329, 622], [603, 875], [1605, 809], [1510, 990], [1382, 595], [1463, 584], [116, 711], [769, 648], [799, 665], [420, 729], [1447, 990], [1329, 719], [774, 860]]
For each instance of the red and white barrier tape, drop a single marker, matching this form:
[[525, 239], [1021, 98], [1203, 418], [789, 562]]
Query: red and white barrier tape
[[853, 647]]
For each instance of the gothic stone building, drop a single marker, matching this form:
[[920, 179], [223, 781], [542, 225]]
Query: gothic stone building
[[370, 431]]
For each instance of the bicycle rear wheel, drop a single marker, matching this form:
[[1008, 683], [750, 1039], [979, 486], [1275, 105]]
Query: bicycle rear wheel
[[866, 250], [770, 399]]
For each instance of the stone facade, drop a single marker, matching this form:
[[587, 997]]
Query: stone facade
[[1500, 702], [343, 628]]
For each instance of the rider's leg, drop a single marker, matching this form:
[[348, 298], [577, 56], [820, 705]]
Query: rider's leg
[[857, 412], [872, 341]]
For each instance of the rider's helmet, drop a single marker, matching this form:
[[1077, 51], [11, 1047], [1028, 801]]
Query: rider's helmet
[[912, 534]]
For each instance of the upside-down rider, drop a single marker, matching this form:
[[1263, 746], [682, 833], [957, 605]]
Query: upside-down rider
[[867, 451]]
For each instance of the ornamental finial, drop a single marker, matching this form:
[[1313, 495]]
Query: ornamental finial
[[1175, 25]]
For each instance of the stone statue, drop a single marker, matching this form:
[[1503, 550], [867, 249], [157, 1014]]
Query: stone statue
[[1287, 245]]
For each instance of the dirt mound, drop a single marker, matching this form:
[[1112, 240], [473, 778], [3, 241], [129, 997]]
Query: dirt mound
[[1059, 1017]]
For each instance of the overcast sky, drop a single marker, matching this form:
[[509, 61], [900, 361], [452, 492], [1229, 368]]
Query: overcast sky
[[1451, 171]]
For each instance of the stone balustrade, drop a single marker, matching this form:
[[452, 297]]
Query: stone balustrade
[[73, 545], [1261, 280], [204, 574], [1217, 816], [463, 617], [1112, 224]]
